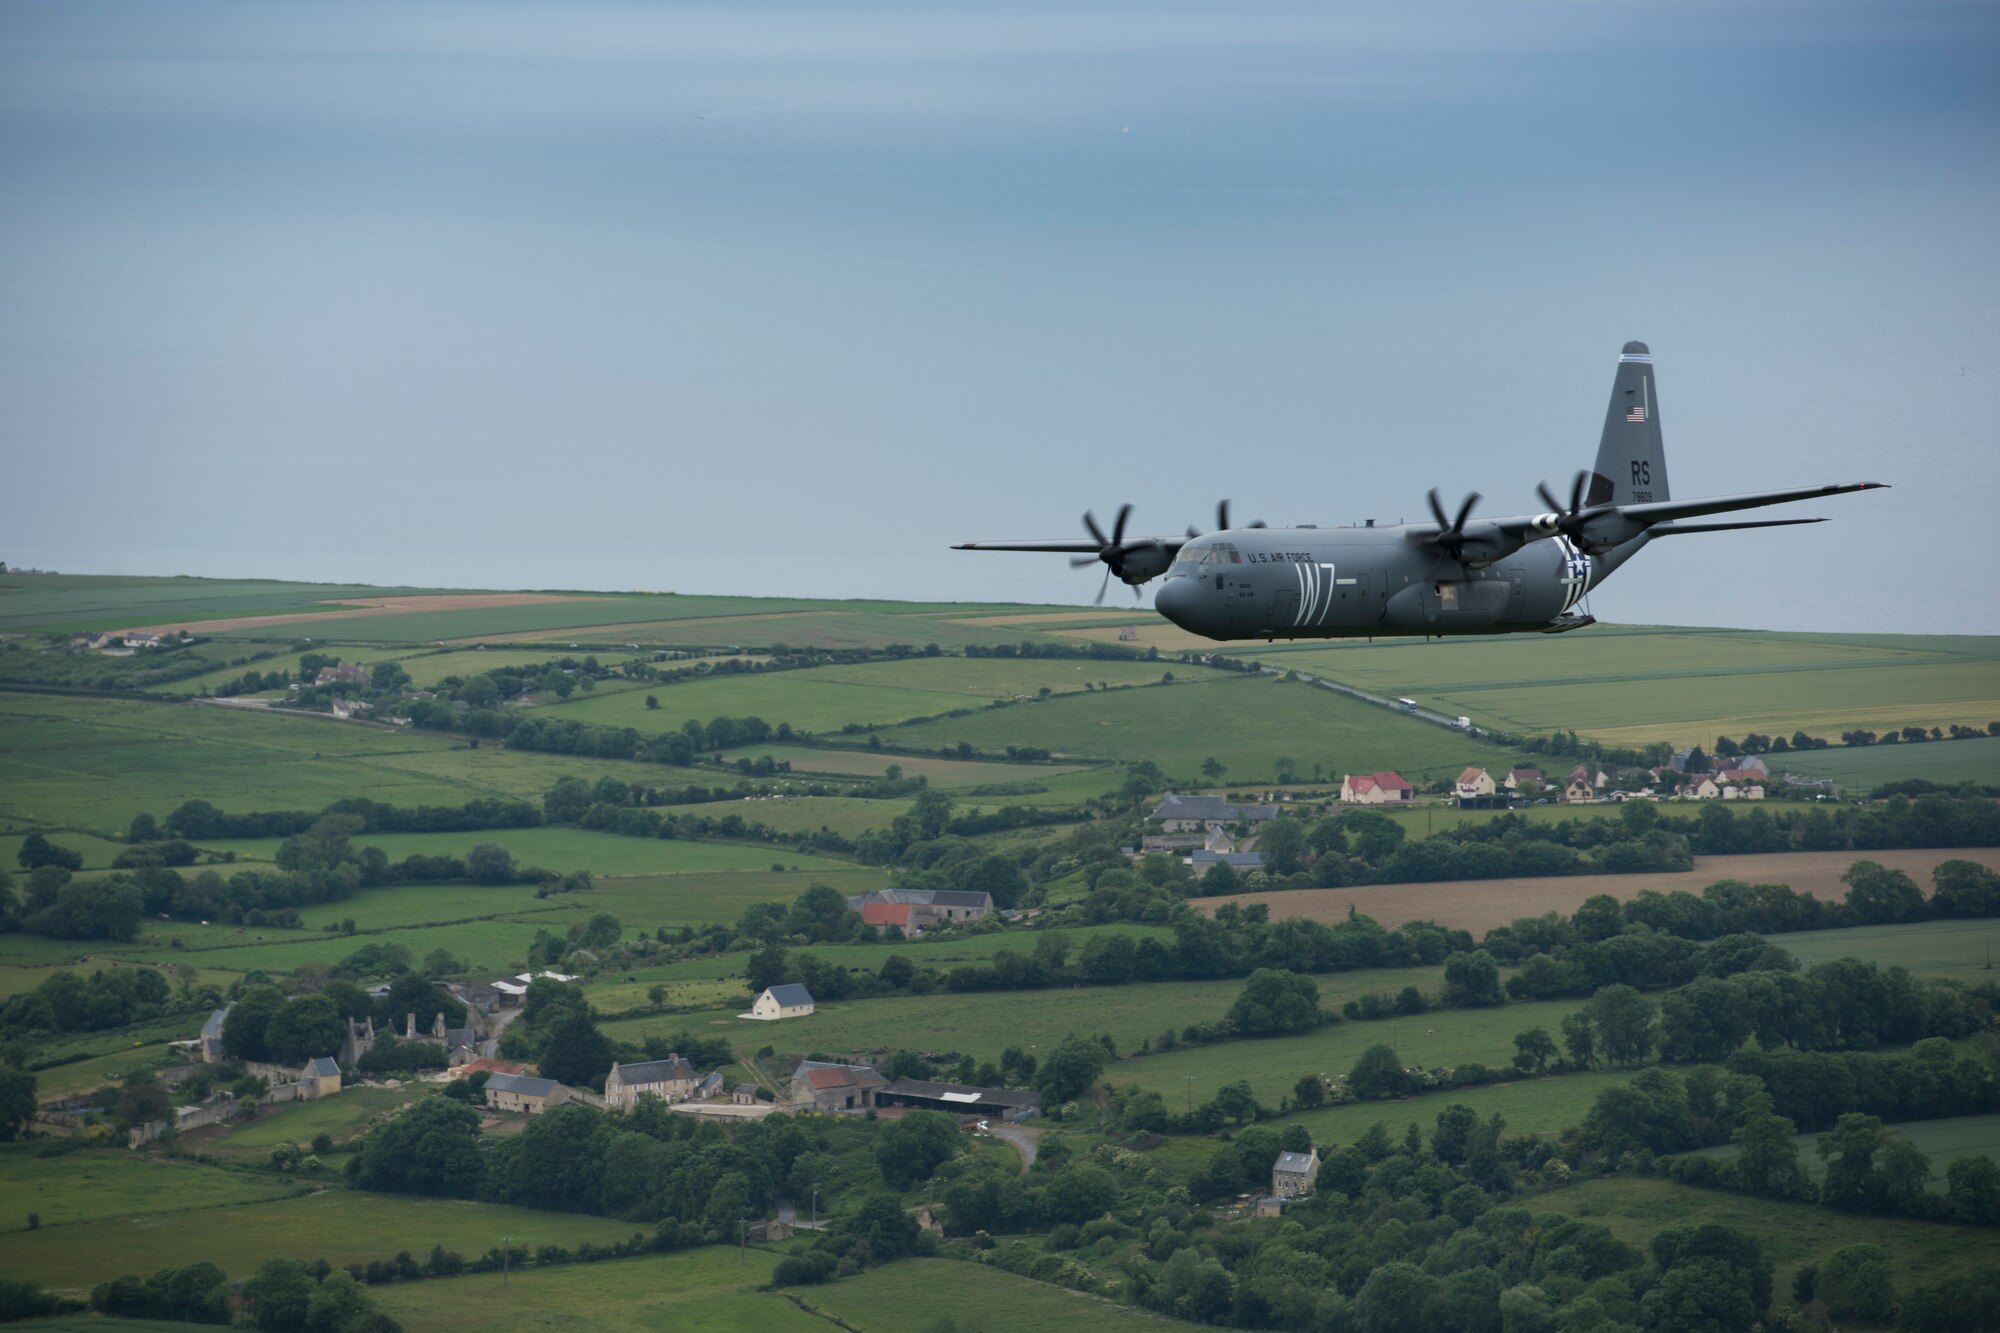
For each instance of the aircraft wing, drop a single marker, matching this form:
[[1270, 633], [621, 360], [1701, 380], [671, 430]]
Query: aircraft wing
[[1665, 510], [1072, 544]]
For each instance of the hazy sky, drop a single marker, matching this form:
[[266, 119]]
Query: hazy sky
[[765, 299]]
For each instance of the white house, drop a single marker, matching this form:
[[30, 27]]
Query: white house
[[787, 1001]]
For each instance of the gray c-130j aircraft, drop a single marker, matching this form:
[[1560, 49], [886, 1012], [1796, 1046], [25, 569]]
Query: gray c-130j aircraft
[[1459, 575]]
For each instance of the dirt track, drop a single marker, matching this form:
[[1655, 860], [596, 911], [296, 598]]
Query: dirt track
[[1480, 905], [394, 606]]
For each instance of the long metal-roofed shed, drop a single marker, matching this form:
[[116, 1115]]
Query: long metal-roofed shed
[[1003, 1103]]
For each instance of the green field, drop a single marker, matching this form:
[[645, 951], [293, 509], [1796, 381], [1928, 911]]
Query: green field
[[337, 1225], [92, 1184], [1245, 722], [94, 763], [918, 1295], [824, 699], [695, 899], [342, 1116], [938, 772], [710, 1290], [564, 849], [98, 853], [1636, 1208], [1530, 1106], [1943, 1141], [1863, 769], [1958, 949], [1627, 685], [1271, 1065], [50, 602]]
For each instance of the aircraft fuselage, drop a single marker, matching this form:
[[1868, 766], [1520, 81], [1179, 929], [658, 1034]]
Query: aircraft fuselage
[[1337, 583]]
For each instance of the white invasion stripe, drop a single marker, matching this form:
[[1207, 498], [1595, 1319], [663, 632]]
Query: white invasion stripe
[[1326, 607], [1299, 616]]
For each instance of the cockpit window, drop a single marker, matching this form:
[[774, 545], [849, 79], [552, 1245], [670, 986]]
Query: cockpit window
[[1213, 553]]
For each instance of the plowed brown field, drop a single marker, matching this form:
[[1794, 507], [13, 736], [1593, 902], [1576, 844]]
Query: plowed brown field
[[1480, 905]]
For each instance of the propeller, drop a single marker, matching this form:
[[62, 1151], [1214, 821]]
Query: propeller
[[1222, 521], [1452, 537], [1569, 521], [1111, 550]]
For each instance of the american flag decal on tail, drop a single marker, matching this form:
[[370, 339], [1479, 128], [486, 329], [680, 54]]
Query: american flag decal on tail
[[1636, 413]]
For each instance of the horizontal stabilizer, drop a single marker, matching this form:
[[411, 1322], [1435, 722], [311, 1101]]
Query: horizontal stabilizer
[[1667, 510]]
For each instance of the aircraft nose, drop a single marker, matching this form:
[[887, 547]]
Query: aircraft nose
[[1176, 600]]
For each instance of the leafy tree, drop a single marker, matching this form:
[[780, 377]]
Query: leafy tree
[[881, 1224], [432, 1148], [1965, 888], [37, 851], [1848, 1150], [1622, 1021], [1472, 980], [304, 1028], [1079, 1193], [243, 1032], [17, 1102], [1972, 1184], [1767, 1159], [1855, 1283], [1283, 844], [729, 1204], [1236, 1101], [1393, 1298], [1378, 1073], [1879, 896], [576, 1052], [279, 1295], [914, 1146], [1372, 836], [1069, 1070], [1533, 1050], [489, 863], [1274, 1000], [1710, 1278], [1309, 1093]]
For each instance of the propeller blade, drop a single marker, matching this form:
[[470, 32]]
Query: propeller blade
[[1102, 587], [1465, 511], [1222, 515], [1079, 561], [1137, 596], [1542, 489], [1192, 534], [1118, 528], [1437, 509], [1256, 523], [1576, 490], [1090, 522]]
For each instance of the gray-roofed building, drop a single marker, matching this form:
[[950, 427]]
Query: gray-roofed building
[[320, 1078], [671, 1080], [211, 1036], [1292, 1175], [1204, 859], [521, 1092], [960, 1098], [1180, 814], [790, 1000]]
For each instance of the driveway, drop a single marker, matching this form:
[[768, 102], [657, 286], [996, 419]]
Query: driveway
[[1020, 1136]]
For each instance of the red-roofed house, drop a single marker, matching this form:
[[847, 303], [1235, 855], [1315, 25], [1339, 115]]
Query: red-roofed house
[[883, 915], [1374, 789]]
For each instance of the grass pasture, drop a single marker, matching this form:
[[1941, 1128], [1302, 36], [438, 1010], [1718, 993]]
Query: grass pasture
[[50, 602], [1686, 685], [1943, 1141], [338, 1225], [1271, 1065], [1245, 722], [93, 1184], [702, 898], [939, 772], [1861, 770], [1528, 1106], [1636, 1208], [918, 1295], [1961, 950], [709, 1290], [564, 849], [343, 1117]]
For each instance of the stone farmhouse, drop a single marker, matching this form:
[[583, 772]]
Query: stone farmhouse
[[1185, 814], [790, 1000], [320, 1078], [1292, 1175], [1375, 789], [917, 910], [834, 1089], [519, 1092], [671, 1080]]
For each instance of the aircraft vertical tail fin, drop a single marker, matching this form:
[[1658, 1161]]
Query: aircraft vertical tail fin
[[1631, 457]]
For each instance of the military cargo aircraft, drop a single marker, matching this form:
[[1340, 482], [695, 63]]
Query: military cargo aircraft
[[1457, 575]]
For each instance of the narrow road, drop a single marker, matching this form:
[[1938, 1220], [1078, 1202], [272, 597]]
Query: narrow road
[[1020, 1136]]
